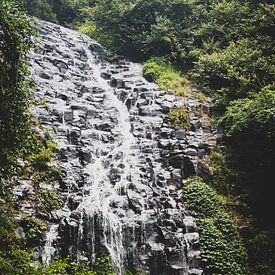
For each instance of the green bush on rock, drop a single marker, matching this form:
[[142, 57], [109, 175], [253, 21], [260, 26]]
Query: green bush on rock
[[179, 117], [165, 75], [48, 200], [221, 246], [218, 174]]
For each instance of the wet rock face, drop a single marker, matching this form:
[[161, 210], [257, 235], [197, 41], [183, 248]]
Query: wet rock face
[[124, 163]]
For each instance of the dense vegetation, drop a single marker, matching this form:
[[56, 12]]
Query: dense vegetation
[[15, 41], [222, 249], [64, 12], [225, 49]]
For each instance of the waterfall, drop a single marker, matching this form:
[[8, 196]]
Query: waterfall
[[124, 163], [101, 192], [49, 249]]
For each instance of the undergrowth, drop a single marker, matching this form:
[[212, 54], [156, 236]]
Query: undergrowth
[[222, 248], [163, 73]]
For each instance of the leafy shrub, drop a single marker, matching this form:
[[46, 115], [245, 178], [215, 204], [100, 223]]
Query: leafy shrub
[[87, 28], [16, 261], [41, 168], [48, 200], [15, 41], [233, 72], [222, 249], [249, 132], [102, 266], [64, 12], [262, 249], [218, 174], [179, 117], [34, 229], [165, 75], [141, 29], [42, 9], [40, 159]]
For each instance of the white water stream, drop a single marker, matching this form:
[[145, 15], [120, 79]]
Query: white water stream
[[101, 192]]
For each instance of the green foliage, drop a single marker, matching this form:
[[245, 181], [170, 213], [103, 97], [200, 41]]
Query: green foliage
[[16, 261], [42, 9], [254, 114], [165, 75], [140, 28], [14, 258], [64, 12], [16, 139], [179, 117], [34, 229], [218, 174], [262, 249], [15, 41], [102, 266], [249, 130], [42, 157], [228, 43], [222, 249], [233, 72], [41, 168], [48, 200], [87, 28]]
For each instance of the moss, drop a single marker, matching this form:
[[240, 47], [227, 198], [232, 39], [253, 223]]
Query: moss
[[166, 76], [222, 249], [179, 117]]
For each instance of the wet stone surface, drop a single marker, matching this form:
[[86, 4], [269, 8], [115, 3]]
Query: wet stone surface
[[124, 163]]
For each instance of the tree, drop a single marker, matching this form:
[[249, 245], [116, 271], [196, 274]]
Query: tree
[[15, 41]]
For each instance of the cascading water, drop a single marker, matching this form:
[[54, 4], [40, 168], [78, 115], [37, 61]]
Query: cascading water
[[101, 192], [49, 249], [124, 164]]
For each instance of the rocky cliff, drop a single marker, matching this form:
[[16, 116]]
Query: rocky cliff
[[125, 165]]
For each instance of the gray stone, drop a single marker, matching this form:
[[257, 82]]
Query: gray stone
[[180, 133], [45, 75]]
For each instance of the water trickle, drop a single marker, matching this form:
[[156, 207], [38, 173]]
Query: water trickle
[[49, 249]]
